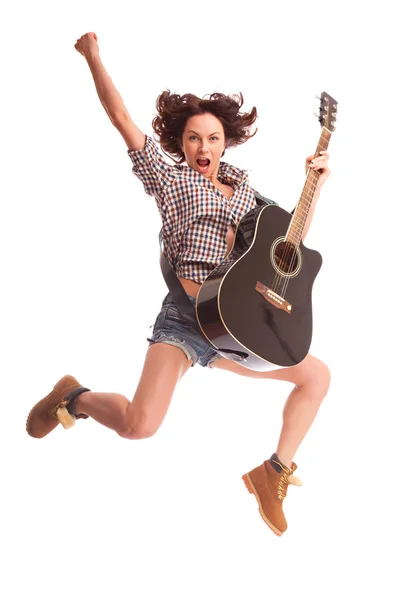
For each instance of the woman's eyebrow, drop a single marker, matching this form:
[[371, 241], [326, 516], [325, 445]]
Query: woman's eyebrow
[[191, 131]]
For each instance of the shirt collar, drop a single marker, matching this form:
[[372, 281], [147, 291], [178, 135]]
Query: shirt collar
[[227, 173], [231, 175]]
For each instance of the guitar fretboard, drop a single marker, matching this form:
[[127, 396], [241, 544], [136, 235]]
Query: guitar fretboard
[[300, 215]]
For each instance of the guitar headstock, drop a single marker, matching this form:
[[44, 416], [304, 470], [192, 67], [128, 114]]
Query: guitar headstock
[[327, 111]]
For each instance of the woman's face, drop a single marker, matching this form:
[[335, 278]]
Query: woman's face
[[203, 142]]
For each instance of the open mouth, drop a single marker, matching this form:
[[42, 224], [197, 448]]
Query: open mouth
[[203, 163]]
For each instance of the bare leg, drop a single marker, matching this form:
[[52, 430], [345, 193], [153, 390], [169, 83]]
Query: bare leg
[[164, 365], [311, 378]]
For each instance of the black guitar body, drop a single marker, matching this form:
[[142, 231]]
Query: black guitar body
[[237, 317]]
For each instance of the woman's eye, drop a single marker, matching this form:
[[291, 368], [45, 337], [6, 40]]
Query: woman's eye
[[193, 137]]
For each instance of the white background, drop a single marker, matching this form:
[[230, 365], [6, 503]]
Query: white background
[[86, 514]]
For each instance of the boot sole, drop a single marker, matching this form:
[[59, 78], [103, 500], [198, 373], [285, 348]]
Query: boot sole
[[252, 490]]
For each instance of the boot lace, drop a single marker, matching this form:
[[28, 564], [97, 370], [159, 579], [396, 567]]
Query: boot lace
[[287, 477]]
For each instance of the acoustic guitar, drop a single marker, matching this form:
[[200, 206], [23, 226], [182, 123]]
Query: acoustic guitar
[[258, 302]]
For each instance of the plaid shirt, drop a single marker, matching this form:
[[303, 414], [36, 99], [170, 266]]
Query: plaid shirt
[[195, 214]]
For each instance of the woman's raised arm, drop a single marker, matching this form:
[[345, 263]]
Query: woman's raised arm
[[108, 93]]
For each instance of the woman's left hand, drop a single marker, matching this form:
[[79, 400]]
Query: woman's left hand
[[319, 163]]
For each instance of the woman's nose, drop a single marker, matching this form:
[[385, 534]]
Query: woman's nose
[[204, 145]]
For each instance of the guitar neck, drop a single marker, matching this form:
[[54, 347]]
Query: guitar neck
[[300, 215]]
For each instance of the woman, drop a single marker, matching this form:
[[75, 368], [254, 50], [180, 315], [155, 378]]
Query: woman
[[200, 204]]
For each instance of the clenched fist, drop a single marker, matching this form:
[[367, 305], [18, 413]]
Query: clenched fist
[[87, 44]]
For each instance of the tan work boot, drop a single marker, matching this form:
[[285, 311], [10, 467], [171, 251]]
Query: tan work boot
[[269, 483], [51, 411]]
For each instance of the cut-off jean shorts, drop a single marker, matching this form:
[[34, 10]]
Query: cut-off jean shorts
[[172, 328]]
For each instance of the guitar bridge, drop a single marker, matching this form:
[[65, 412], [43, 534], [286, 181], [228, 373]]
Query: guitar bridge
[[273, 298]]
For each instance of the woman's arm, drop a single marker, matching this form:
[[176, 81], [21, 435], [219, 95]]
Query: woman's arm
[[108, 93], [318, 163]]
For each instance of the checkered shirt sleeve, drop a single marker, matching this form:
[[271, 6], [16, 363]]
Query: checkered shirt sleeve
[[151, 168]]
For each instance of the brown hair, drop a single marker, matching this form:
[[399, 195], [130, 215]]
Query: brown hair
[[174, 110]]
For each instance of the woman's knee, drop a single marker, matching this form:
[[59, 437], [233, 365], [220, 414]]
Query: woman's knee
[[138, 426], [318, 373], [312, 371]]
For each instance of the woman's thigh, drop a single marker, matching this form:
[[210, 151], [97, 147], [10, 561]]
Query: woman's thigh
[[164, 366], [309, 368]]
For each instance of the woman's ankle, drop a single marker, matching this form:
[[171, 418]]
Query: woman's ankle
[[73, 405]]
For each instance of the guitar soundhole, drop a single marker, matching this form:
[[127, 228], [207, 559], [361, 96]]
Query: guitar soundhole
[[286, 258]]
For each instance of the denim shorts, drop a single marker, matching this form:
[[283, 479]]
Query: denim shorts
[[172, 328]]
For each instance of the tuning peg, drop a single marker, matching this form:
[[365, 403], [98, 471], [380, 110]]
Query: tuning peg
[[316, 115], [318, 97]]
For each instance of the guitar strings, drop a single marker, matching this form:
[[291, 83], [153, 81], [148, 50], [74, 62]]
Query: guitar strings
[[302, 220], [308, 194], [278, 278], [291, 249], [309, 191], [282, 279]]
